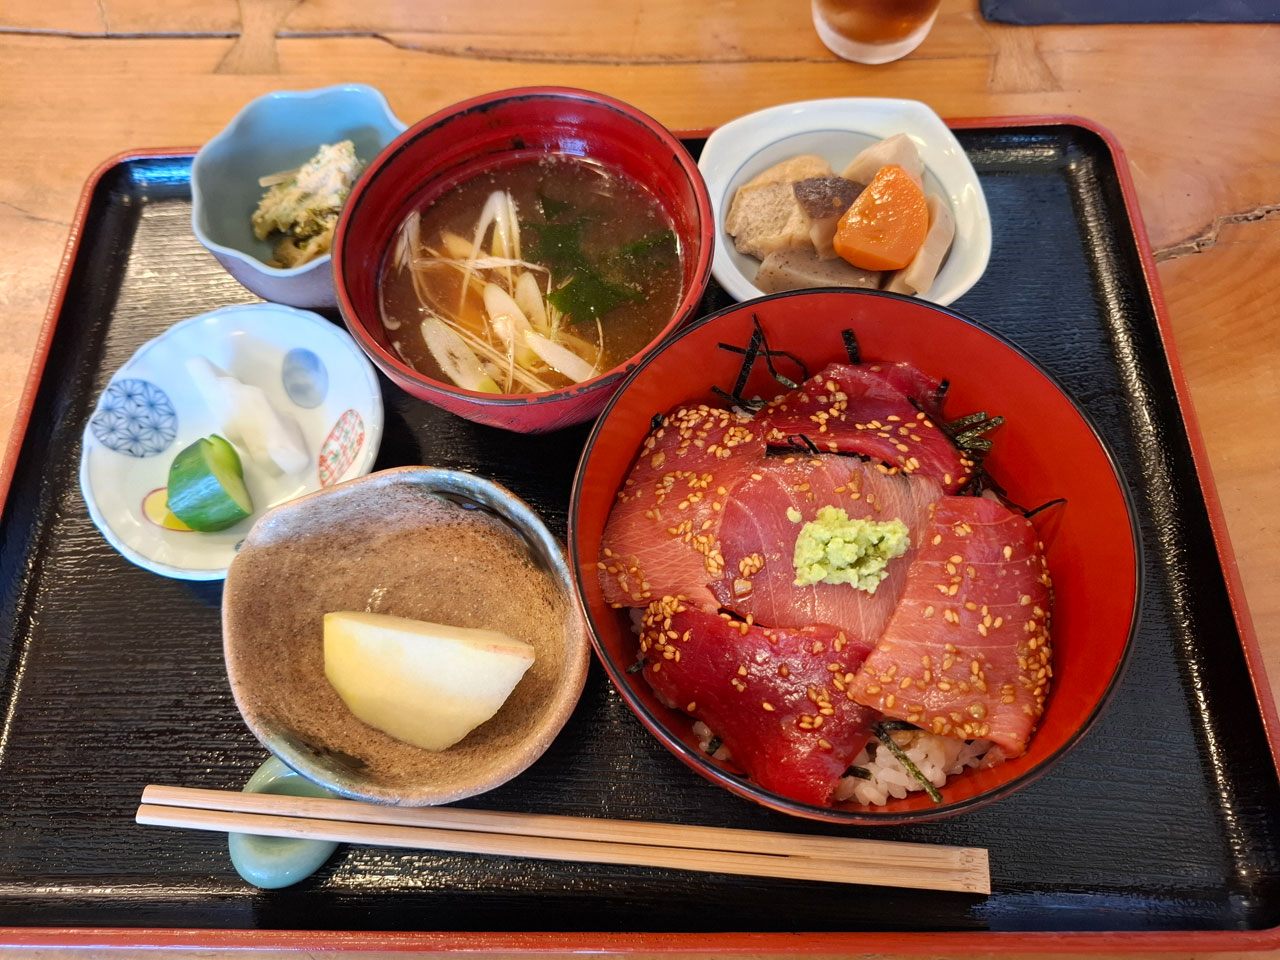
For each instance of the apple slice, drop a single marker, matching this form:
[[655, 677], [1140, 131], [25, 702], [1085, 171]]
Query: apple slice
[[427, 684]]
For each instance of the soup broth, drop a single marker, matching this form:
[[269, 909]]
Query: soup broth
[[531, 277]]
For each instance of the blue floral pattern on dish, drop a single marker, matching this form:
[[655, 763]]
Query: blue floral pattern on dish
[[135, 417]]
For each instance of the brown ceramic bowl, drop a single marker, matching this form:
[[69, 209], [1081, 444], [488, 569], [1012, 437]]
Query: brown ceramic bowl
[[418, 542]]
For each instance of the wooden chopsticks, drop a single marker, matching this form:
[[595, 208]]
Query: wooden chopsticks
[[586, 840]]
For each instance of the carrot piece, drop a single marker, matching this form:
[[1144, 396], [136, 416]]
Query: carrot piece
[[886, 224]]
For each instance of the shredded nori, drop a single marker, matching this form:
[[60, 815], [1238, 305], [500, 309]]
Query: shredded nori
[[770, 354], [896, 725], [882, 734], [862, 773], [655, 422], [971, 437], [1044, 506], [713, 745], [952, 427], [749, 358], [757, 347], [799, 441], [851, 346], [729, 398], [636, 667]]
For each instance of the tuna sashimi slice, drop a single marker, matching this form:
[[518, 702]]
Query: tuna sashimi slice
[[776, 698], [967, 652], [764, 514], [662, 534], [867, 409]]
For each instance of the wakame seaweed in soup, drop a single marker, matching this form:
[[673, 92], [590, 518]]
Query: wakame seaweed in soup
[[530, 277]]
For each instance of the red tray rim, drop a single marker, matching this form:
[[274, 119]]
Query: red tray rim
[[794, 944]]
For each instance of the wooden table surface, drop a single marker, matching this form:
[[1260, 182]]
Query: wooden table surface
[[1196, 107]]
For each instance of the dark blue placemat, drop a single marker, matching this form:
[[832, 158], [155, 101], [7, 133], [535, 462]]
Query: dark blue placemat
[[1032, 12]]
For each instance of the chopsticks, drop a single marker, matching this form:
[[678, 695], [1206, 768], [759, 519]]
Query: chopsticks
[[580, 839]]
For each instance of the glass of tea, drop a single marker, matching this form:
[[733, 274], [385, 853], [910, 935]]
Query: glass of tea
[[873, 31]]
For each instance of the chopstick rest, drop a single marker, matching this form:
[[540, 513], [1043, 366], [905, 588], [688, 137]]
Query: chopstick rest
[[275, 862], [586, 840]]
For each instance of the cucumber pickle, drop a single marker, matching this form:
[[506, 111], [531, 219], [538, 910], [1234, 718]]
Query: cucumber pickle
[[206, 486]]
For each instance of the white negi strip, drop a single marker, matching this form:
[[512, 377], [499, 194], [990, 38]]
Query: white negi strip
[[509, 322], [456, 359], [560, 359]]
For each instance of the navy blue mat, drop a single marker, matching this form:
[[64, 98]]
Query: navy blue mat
[[1033, 12]]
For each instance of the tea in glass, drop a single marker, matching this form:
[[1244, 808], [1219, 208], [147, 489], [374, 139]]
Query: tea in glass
[[873, 31]]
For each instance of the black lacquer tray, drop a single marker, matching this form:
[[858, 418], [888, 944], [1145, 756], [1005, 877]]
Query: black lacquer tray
[[1163, 826]]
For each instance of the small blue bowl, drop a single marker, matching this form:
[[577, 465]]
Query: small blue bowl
[[279, 131]]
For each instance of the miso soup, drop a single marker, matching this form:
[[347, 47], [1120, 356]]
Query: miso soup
[[531, 277]]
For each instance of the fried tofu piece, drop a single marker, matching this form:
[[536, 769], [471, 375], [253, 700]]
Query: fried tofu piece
[[765, 215]]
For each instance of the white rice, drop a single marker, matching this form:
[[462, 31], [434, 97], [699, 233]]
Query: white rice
[[705, 736], [936, 757]]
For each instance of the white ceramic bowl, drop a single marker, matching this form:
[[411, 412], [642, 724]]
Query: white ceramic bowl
[[838, 129], [310, 370], [279, 131]]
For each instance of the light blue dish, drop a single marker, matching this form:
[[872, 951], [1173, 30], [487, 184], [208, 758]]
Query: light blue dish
[[274, 862], [279, 131]]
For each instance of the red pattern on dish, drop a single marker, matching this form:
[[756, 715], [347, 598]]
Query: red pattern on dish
[[341, 447]]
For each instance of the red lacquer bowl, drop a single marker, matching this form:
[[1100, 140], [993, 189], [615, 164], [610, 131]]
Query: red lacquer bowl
[[491, 131], [1048, 448]]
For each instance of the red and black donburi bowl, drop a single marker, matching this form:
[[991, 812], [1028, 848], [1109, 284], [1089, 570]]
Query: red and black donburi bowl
[[489, 132], [1047, 449]]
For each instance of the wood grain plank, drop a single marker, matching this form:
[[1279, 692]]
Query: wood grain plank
[[1218, 303]]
